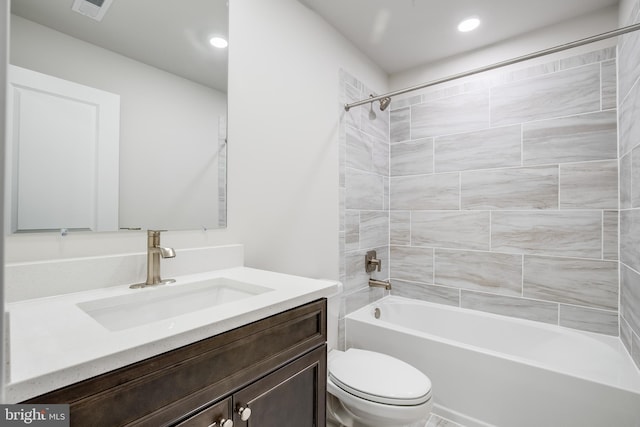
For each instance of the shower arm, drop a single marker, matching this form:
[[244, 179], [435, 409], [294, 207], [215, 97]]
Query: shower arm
[[559, 48]]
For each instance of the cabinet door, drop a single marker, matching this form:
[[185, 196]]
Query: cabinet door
[[293, 396], [212, 416]]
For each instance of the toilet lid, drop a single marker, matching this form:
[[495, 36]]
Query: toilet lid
[[379, 378]]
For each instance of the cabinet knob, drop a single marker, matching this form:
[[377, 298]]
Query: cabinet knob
[[244, 412], [222, 423]]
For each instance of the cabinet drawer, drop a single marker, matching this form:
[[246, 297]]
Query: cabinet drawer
[[166, 388], [215, 414]]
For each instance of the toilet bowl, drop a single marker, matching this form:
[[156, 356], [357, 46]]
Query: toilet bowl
[[369, 389]]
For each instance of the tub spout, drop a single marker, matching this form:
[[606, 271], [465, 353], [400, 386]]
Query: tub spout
[[380, 284]]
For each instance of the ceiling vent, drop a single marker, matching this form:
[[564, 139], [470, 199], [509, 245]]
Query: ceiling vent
[[94, 9]]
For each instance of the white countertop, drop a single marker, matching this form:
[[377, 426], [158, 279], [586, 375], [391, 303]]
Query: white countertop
[[54, 343]]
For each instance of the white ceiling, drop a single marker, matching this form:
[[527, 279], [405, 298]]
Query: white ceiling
[[168, 34], [401, 34]]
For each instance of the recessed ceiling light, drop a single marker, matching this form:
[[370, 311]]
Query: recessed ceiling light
[[468, 24], [218, 42]]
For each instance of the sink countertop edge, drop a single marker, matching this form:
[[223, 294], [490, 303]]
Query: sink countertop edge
[[297, 291]]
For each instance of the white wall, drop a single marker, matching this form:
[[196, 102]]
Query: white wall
[[162, 131], [574, 29], [283, 132], [283, 147]]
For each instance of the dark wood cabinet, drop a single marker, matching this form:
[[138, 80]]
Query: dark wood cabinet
[[215, 415], [276, 367], [293, 396]]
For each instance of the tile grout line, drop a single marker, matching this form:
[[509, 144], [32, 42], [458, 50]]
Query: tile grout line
[[630, 154], [410, 228], [533, 299], [410, 127], [522, 278], [489, 252], [433, 155], [502, 168], [459, 191], [433, 269], [601, 85], [559, 186], [521, 144], [602, 235], [620, 99], [559, 310], [490, 232]]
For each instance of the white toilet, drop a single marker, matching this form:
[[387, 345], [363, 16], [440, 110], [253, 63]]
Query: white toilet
[[367, 389]]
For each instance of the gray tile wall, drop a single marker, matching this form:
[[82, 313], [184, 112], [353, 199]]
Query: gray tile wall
[[364, 193], [504, 194], [629, 152]]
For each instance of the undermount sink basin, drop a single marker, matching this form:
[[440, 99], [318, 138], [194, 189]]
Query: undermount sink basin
[[163, 302]]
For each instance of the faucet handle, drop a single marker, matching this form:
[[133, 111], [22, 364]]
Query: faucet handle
[[153, 238], [155, 231], [371, 263]]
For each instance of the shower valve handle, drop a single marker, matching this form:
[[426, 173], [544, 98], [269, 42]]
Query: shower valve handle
[[371, 263]]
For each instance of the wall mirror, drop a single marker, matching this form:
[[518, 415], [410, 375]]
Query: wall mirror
[[117, 115]]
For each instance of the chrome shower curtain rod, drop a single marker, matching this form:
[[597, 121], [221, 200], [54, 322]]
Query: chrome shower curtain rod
[[560, 48]]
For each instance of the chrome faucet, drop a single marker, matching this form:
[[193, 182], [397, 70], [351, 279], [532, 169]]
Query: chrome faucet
[[154, 252]]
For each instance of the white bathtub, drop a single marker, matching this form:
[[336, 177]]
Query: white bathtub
[[490, 370]]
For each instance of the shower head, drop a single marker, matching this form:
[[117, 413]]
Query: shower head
[[384, 103]]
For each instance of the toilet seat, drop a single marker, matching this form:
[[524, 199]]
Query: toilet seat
[[379, 378]]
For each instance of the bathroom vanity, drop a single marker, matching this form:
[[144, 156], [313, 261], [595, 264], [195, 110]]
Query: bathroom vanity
[[235, 345], [256, 375]]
